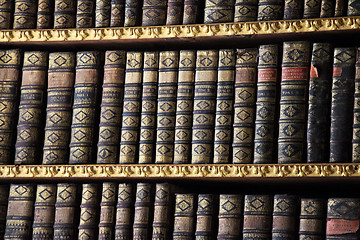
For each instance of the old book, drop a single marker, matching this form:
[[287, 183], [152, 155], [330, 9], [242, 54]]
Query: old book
[[44, 18], [342, 221], [10, 67], [204, 106], [143, 215], [356, 112], [245, 10], [4, 194], [192, 11], [111, 107], [117, 13], [327, 8], [61, 77], [206, 220], [66, 211], [108, 211], [184, 216], [31, 109], [340, 8], [20, 211], [312, 8], [102, 13], [154, 12], [133, 13], [44, 212], [218, 11], [293, 98], [230, 216], [266, 101], [85, 13], [293, 9], [319, 103], [149, 107], [285, 217], [6, 13], [244, 105], [342, 103], [124, 211], [175, 12], [132, 108], [166, 109], [312, 219], [184, 106], [84, 118], [353, 8], [270, 10], [224, 106], [64, 14], [25, 14]]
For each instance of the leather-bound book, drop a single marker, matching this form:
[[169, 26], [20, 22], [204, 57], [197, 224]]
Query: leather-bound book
[[85, 13], [293, 99], [166, 109], [31, 109], [84, 118], [184, 216], [342, 103], [143, 214], [245, 10], [61, 78], [44, 18], [218, 11], [124, 211], [25, 14], [327, 8], [192, 11], [117, 13], [353, 8], [206, 219], [285, 217], [340, 8], [224, 106], [293, 9], [356, 112], [270, 10], [6, 14], [102, 13], [108, 211], [230, 216], [312, 8], [111, 107], [4, 195], [244, 105], [133, 13], [64, 14], [312, 219], [319, 103], [149, 108], [175, 12], [154, 12]]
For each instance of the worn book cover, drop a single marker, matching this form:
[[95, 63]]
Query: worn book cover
[[154, 12], [85, 14], [102, 13], [230, 216], [184, 217], [245, 10], [312, 219], [64, 14], [108, 211], [143, 213], [270, 10], [25, 14], [125, 211], [218, 11]]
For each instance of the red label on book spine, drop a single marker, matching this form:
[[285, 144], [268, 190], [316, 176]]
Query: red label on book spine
[[337, 71], [314, 72], [267, 75], [341, 226], [294, 73]]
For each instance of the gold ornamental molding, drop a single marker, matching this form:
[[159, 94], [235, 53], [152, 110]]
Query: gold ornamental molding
[[124, 34]]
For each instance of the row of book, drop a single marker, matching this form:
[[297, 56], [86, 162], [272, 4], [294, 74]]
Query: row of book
[[149, 211], [45, 14]]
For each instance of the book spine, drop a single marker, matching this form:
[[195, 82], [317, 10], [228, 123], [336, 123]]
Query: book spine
[[10, 66], [85, 13], [31, 108], [192, 10], [65, 211], [102, 13], [154, 12], [312, 216], [224, 106], [132, 108], [184, 107], [230, 216], [124, 212], [175, 12], [64, 14], [132, 13], [312, 8], [111, 107], [219, 11], [84, 107], [184, 222], [117, 13], [293, 98], [149, 107], [293, 9], [61, 76], [143, 211], [205, 217], [353, 8], [25, 14], [4, 195], [356, 112], [284, 224], [166, 110], [6, 14], [342, 103], [340, 8], [319, 103], [44, 212], [44, 18], [20, 211], [244, 105], [270, 10], [204, 106], [245, 10], [327, 8], [107, 211]]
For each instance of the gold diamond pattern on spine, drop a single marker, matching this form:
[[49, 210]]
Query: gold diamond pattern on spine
[[293, 9], [312, 8], [154, 12], [85, 13], [132, 13], [65, 211], [64, 14], [102, 13], [353, 8], [107, 211], [143, 211], [204, 106], [342, 104], [245, 10], [124, 211], [218, 11], [166, 110], [293, 99], [356, 112], [31, 109], [184, 217], [285, 217], [265, 119], [4, 194], [205, 217], [44, 14], [244, 105], [6, 14], [25, 14], [184, 107], [10, 65], [111, 107], [175, 11], [270, 10], [61, 77], [117, 13], [44, 212], [327, 8], [149, 107], [20, 211], [312, 219], [340, 8], [132, 108], [224, 106], [230, 216], [191, 11]]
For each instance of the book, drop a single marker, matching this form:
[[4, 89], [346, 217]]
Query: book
[[64, 14], [44, 212], [312, 8], [224, 106], [244, 105], [107, 211], [44, 17], [293, 9], [61, 77], [132, 13], [206, 220], [154, 12], [84, 118], [356, 112], [219, 11], [143, 214], [124, 211], [102, 13], [245, 10], [270, 10], [184, 216], [111, 107], [192, 11], [25, 14], [85, 13], [312, 219], [293, 99], [319, 103], [266, 104], [175, 12], [117, 13], [131, 107], [6, 14], [340, 8], [353, 8], [166, 109], [31, 108], [342, 104], [230, 216], [149, 107], [327, 8], [4, 195]]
